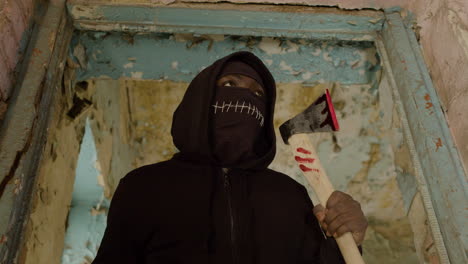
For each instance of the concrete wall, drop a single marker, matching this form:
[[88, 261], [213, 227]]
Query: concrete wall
[[15, 20]]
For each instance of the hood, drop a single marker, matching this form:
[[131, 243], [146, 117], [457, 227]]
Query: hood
[[191, 123]]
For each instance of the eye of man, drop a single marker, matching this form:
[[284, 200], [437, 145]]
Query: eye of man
[[259, 93], [228, 83], [244, 82]]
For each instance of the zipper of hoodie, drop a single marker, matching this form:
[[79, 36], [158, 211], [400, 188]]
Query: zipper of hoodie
[[227, 187]]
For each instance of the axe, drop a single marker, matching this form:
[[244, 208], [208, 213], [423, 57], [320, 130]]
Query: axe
[[318, 117]]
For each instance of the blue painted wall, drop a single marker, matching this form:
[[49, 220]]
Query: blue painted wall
[[179, 58], [87, 216]]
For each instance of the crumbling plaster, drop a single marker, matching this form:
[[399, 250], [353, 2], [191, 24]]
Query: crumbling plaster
[[442, 26], [45, 228], [370, 128], [290, 60], [423, 247], [52, 196], [365, 154], [442, 29], [440, 22]]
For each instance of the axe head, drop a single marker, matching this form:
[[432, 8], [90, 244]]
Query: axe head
[[318, 117]]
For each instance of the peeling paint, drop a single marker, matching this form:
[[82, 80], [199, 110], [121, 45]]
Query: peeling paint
[[136, 75], [428, 104], [129, 65], [316, 52], [159, 18], [453, 20], [3, 239], [359, 158], [90, 11], [413, 82], [271, 46], [308, 75], [176, 57], [438, 143]]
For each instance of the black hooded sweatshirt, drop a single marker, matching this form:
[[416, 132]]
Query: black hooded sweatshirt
[[189, 210]]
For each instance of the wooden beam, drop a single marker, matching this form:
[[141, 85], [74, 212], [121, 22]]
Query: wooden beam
[[271, 21]]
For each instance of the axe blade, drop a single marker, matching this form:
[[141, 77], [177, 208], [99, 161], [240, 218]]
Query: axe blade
[[318, 117]]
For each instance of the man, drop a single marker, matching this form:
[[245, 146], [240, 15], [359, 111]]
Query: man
[[216, 201]]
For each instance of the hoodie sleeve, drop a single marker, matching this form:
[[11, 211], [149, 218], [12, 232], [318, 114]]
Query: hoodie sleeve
[[317, 248], [122, 241]]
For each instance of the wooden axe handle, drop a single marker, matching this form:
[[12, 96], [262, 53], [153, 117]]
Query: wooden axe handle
[[308, 161]]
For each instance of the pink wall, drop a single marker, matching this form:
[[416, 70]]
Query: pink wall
[[444, 39], [15, 16]]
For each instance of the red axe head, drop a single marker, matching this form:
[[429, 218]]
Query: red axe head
[[318, 117]]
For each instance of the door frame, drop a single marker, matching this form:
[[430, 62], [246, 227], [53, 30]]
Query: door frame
[[440, 178]]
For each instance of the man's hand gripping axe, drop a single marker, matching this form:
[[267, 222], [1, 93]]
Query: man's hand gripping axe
[[318, 117]]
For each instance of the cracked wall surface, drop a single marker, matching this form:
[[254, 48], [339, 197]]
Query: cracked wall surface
[[49, 219], [116, 55], [441, 29], [361, 158], [46, 224]]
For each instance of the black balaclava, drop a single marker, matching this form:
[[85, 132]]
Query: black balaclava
[[192, 123], [238, 119]]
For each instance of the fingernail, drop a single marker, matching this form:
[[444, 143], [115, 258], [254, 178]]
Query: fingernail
[[328, 234]]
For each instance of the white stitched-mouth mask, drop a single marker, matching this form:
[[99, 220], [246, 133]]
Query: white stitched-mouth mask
[[238, 117]]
